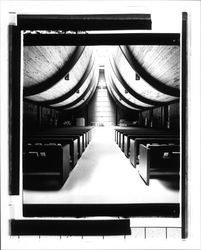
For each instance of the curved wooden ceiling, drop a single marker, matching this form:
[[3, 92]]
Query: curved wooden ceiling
[[161, 62], [42, 62], [72, 88], [119, 89], [65, 77], [141, 87], [87, 95], [47, 67], [88, 85], [157, 65], [64, 85], [118, 100]]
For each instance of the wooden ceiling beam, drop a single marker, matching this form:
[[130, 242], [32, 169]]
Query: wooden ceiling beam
[[118, 102], [86, 101], [69, 105], [123, 97], [132, 91]]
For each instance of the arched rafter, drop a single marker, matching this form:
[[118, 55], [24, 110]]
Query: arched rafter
[[75, 102], [119, 102], [88, 98], [130, 90], [124, 98]]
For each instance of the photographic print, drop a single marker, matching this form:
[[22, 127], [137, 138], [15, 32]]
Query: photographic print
[[98, 124]]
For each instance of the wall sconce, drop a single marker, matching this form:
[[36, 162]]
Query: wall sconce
[[67, 77], [137, 77]]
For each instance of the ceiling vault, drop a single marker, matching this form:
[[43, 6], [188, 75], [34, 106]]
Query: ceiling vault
[[50, 82], [74, 89], [155, 83]]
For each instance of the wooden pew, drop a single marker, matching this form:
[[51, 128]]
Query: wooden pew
[[77, 139], [69, 131], [151, 134], [135, 143], [85, 131], [158, 160], [118, 135], [59, 138], [73, 143], [122, 132], [45, 166], [123, 135]]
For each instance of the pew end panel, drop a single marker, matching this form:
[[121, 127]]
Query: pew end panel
[[144, 168], [75, 152], [132, 152], [159, 160], [45, 167], [164, 159], [66, 163], [135, 144], [72, 141]]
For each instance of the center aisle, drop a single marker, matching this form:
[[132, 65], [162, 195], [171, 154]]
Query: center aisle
[[104, 175]]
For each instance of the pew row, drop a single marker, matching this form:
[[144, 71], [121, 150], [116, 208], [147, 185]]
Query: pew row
[[72, 142], [158, 160], [135, 144], [123, 136], [76, 139], [45, 166], [127, 138], [80, 140], [86, 132]]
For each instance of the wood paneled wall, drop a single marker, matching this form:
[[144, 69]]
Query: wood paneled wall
[[173, 116], [36, 117], [30, 117], [129, 115], [68, 117], [167, 116]]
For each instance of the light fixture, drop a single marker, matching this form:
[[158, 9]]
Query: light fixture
[[67, 77], [137, 77]]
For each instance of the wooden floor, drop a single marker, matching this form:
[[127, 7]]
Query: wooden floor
[[104, 175]]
